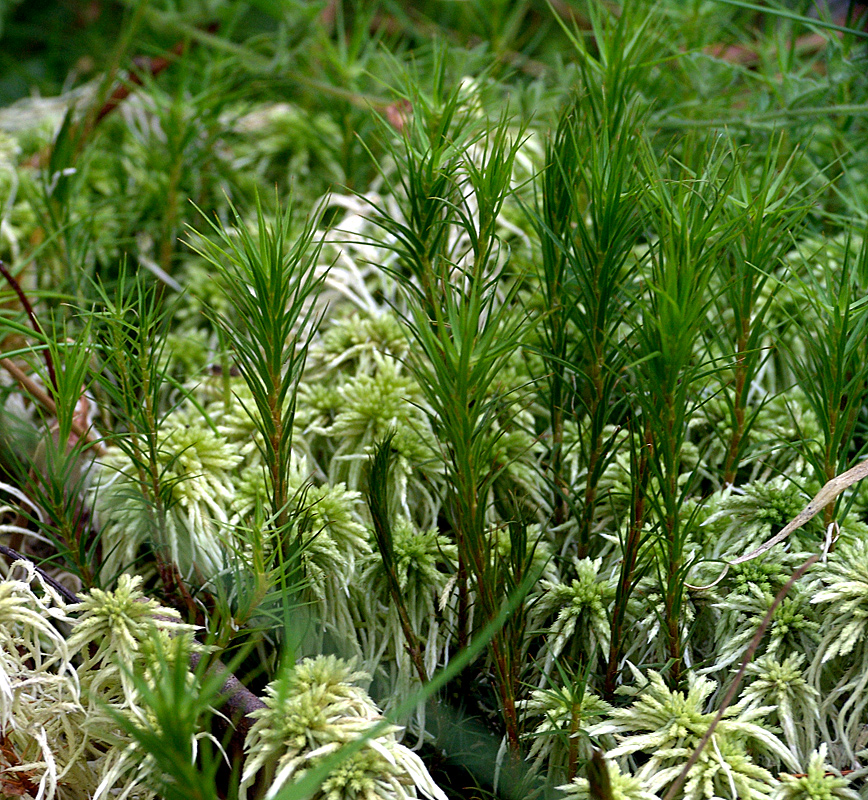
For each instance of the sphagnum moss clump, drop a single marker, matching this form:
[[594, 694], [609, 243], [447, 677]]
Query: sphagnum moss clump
[[580, 609], [314, 710], [782, 686], [667, 726], [819, 782], [61, 700]]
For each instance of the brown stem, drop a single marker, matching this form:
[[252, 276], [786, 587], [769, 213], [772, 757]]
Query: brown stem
[[731, 465], [573, 752], [68, 595], [504, 651], [628, 569], [150, 66], [673, 641], [31, 316], [15, 779], [590, 497], [240, 702], [596, 370], [556, 459], [672, 605], [463, 603], [411, 642], [167, 245], [38, 394], [279, 488], [506, 689]]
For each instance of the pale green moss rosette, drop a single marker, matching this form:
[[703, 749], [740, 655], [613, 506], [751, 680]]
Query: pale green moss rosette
[[311, 712], [664, 727], [840, 666], [355, 391], [41, 715], [424, 562], [744, 518], [356, 343], [232, 417], [820, 782], [118, 635], [369, 407], [781, 684], [793, 626], [198, 468], [624, 787], [581, 608], [334, 543]]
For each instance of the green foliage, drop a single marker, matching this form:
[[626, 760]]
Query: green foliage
[[499, 331]]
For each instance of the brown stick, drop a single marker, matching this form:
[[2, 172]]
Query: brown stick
[[38, 394], [151, 66], [31, 316]]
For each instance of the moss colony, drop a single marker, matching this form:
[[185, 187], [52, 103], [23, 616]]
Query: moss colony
[[530, 387]]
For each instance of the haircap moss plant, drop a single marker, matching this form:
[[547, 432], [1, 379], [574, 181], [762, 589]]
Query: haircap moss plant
[[60, 464], [767, 209], [588, 224], [685, 205], [272, 275], [272, 278], [130, 328], [456, 177], [835, 358]]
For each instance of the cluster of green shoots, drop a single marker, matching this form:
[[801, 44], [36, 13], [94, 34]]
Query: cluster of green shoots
[[458, 464]]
